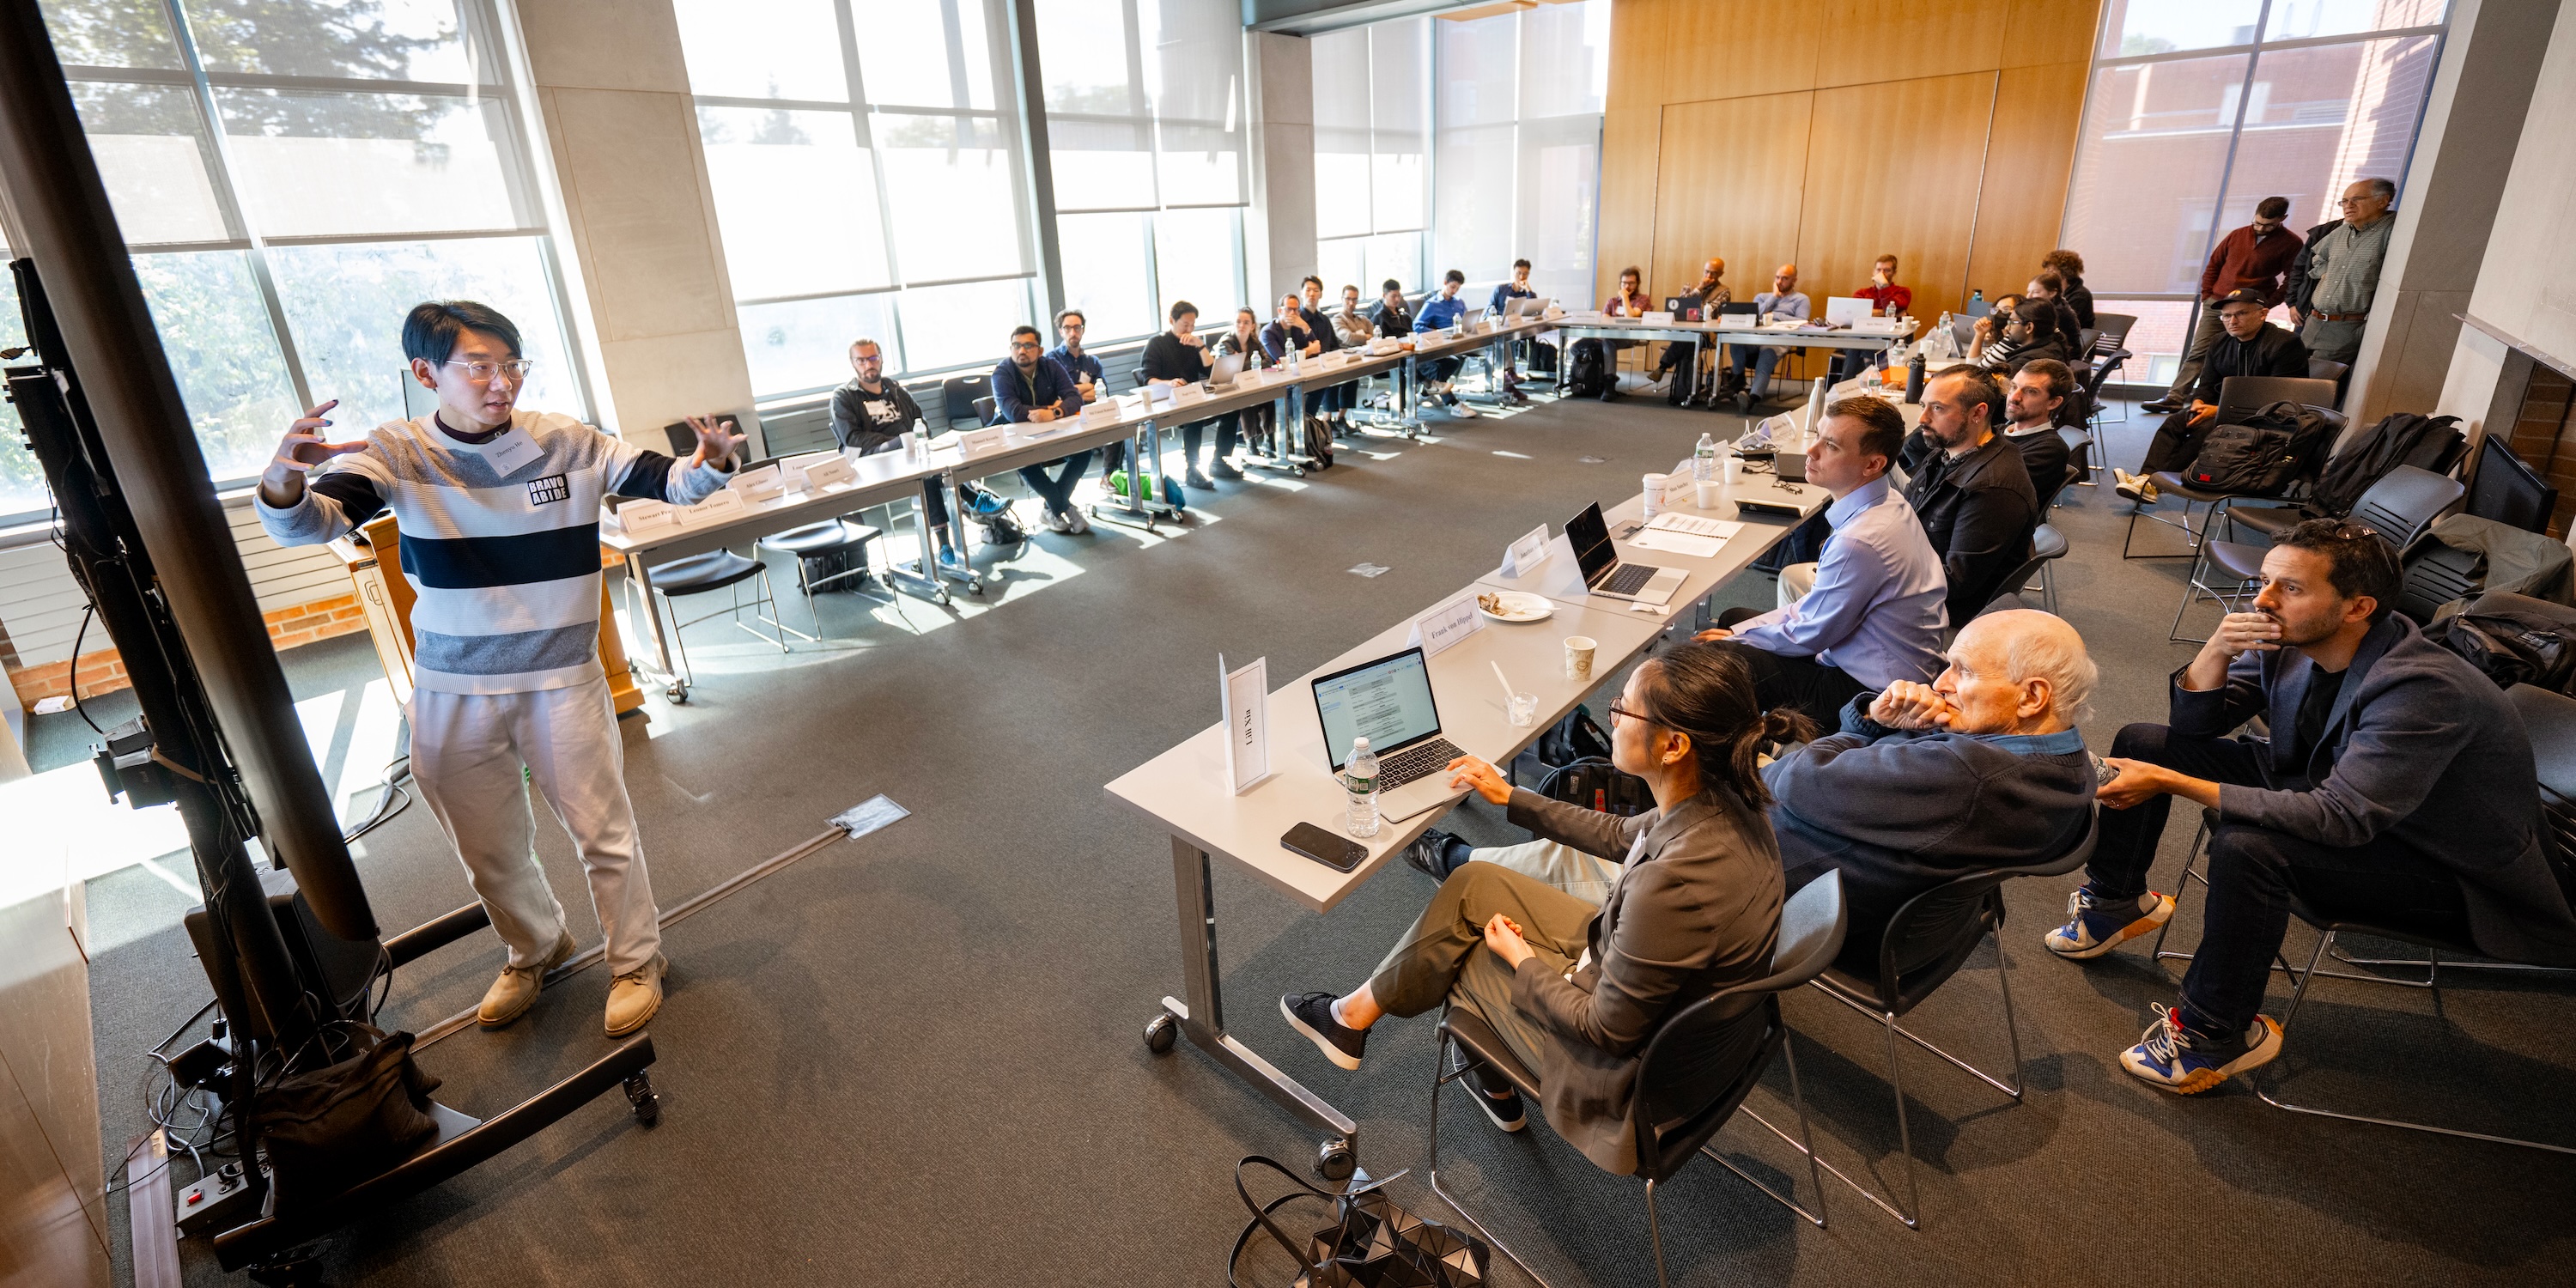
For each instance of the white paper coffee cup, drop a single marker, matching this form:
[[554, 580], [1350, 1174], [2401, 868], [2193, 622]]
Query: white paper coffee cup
[[1708, 493], [1654, 488], [1578, 656]]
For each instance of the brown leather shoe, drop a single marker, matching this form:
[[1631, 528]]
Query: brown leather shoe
[[635, 996], [516, 990]]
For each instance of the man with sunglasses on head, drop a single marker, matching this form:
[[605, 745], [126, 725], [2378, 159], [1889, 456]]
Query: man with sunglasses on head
[[2395, 782], [499, 513]]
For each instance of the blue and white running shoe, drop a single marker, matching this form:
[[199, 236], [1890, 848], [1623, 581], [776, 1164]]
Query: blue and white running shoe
[[2093, 929], [2167, 1056]]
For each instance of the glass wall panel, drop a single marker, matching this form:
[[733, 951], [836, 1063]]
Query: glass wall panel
[[2133, 27], [924, 53], [1109, 275], [345, 305], [2148, 166], [764, 49], [1198, 256], [224, 354], [415, 40], [150, 146], [805, 344], [314, 164], [796, 202], [22, 483], [949, 183], [967, 325]]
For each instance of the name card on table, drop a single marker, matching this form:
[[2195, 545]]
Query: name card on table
[[1528, 552], [1656, 317], [1445, 625], [976, 442], [1099, 414], [829, 471], [1184, 395], [638, 518], [718, 507], [759, 485], [1246, 696]]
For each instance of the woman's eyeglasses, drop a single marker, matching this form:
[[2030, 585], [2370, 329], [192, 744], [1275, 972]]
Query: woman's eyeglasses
[[1618, 713]]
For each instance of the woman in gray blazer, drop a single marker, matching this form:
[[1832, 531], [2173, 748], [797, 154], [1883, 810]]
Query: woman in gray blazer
[[1578, 990]]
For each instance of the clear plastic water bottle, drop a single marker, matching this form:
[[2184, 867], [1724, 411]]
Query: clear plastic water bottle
[[1359, 779], [1704, 460]]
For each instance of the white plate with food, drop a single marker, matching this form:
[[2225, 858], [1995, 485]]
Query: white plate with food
[[1514, 606]]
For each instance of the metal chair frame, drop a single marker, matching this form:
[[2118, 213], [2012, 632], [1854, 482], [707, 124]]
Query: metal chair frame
[[2068, 862], [1454, 1060], [680, 629], [866, 569]]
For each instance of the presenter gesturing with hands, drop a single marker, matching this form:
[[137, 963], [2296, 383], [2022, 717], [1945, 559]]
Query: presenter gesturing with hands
[[282, 483]]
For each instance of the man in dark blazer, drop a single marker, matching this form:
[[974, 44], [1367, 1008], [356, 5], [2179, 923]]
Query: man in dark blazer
[[1981, 769], [1970, 488], [2396, 780], [2033, 408]]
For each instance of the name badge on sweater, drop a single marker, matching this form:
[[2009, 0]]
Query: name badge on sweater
[[512, 450]]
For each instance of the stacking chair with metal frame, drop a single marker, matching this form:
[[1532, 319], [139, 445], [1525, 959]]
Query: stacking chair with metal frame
[[2110, 353], [701, 574], [832, 536], [2400, 507], [1926, 943], [2238, 398], [1742, 1025]]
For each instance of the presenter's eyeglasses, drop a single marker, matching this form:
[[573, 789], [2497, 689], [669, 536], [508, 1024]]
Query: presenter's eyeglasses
[[481, 373]]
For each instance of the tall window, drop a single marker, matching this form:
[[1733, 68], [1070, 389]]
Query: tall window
[[1516, 160], [292, 176], [1144, 109], [22, 484], [866, 180], [2201, 108], [1372, 153]]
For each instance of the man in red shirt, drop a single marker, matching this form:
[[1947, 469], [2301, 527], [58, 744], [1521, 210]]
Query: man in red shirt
[[2255, 257], [1886, 298]]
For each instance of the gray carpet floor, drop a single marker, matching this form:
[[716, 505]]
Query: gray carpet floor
[[914, 1058]]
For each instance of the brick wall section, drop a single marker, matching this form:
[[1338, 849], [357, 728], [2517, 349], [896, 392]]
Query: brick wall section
[[104, 672], [2544, 436]]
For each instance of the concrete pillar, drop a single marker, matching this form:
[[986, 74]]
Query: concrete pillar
[[621, 132], [1279, 226], [2473, 123]]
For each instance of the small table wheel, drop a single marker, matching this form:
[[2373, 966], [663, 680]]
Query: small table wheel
[[1336, 1160], [676, 692], [647, 1102], [1161, 1032]]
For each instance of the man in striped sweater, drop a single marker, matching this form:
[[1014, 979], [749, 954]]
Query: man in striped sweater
[[499, 512]]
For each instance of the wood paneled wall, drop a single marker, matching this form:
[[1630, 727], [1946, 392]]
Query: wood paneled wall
[[1770, 131]]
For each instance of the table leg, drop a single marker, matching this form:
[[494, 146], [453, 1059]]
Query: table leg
[[639, 581], [1202, 1017]]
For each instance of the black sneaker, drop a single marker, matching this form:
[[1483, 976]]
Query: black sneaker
[[1312, 1015], [2164, 406], [1507, 1110], [1431, 854], [1224, 469], [1195, 477]]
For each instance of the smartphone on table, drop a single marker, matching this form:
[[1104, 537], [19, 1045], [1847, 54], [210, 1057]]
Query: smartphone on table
[[1333, 850]]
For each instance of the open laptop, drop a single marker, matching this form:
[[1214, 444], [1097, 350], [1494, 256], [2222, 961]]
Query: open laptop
[[1388, 701], [1531, 307], [1684, 308], [1605, 575], [1225, 370]]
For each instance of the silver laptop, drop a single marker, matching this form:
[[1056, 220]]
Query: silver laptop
[[1388, 701], [1605, 575], [1226, 369], [1532, 307]]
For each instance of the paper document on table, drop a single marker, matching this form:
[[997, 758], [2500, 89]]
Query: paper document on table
[[1695, 524], [1685, 534]]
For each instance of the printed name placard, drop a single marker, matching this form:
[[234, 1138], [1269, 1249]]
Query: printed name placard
[[1246, 695], [716, 508], [1446, 625], [1527, 553], [829, 472], [976, 442], [642, 518], [760, 484]]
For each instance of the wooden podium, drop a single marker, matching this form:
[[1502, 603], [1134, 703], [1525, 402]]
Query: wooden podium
[[385, 595]]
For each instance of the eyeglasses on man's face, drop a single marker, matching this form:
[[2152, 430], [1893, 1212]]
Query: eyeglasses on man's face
[[481, 373]]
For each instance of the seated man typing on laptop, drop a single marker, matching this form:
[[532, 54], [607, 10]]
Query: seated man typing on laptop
[[1875, 614]]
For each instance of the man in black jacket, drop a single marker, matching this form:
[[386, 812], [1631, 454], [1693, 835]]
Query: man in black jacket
[[2039, 391], [2250, 346], [2302, 283], [871, 414], [1323, 404], [1981, 769], [1394, 320], [1971, 490], [1177, 356], [2396, 782]]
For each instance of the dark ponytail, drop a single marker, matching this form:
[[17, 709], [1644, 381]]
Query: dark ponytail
[[1705, 690]]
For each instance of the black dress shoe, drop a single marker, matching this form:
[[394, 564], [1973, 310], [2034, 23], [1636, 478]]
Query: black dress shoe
[[1431, 854]]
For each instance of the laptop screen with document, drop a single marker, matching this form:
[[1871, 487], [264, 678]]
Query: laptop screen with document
[[1387, 701], [1590, 537]]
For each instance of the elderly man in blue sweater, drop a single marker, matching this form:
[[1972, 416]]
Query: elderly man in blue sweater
[[1980, 769]]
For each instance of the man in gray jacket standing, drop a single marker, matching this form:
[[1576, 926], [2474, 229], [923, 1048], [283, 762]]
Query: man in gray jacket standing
[[2344, 265], [1981, 769], [2396, 779]]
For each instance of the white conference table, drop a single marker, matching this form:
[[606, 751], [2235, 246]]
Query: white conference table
[[1184, 790], [1729, 328]]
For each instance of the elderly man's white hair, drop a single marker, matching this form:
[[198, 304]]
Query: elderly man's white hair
[[2043, 646]]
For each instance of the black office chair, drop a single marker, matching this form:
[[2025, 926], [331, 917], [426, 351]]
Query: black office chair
[[1694, 1073], [957, 395], [2110, 352], [2239, 398], [984, 410], [2400, 507], [2047, 546], [844, 536], [2507, 491], [1926, 943], [713, 571]]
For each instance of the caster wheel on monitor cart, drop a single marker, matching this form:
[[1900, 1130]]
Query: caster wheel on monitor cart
[[677, 692], [1336, 1160], [1161, 1033]]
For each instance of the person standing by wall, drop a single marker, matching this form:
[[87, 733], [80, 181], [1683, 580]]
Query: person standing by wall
[[2345, 264], [2256, 257]]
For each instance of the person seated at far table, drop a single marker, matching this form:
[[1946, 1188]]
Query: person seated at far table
[[1981, 769], [2069, 268], [1176, 357], [1439, 313], [1886, 298], [1784, 301], [1501, 307], [1709, 297], [2249, 345], [1326, 405], [1088, 380], [2029, 331], [2031, 409], [1353, 325], [2047, 287], [1873, 614], [2396, 779], [1248, 342], [871, 414], [1393, 317], [1578, 987], [1030, 387], [1631, 302]]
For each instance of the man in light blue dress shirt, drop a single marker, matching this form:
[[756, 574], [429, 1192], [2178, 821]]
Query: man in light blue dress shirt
[[1783, 301], [1877, 609]]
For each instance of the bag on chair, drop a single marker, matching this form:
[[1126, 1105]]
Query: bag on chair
[[2514, 639], [1594, 783], [1367, 1242], [2261, 456], [1574, 738]]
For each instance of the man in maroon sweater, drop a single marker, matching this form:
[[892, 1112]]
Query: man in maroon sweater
[[2256, 257]]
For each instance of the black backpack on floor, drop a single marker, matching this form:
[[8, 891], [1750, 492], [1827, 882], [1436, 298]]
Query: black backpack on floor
[[1589, 376]]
